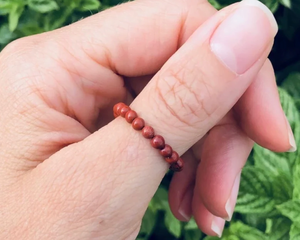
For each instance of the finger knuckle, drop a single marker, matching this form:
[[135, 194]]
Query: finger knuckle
[[184, 94]]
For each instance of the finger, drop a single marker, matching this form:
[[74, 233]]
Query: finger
[[182, 105], [207, 222], [256, 117], [181, 188], [63, 99], [225, 152]]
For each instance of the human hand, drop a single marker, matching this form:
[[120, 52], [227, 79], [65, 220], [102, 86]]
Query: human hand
[[69, 171]]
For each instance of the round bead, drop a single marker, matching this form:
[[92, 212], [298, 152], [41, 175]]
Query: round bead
[[178, 166], [124, 110], [158, 142], [148, 132], [130, 116], [117, 108], [173, 159], [138, 123], [167, 151]]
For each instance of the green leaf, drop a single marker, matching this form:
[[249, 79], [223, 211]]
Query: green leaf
[[278, 229], [89, 5], [173, 225], [191, 225], [213, 238], [256, 193], [6, 6], [245, 232], [286, 3], [271, 4], [14, 16], [192, 234], [291, 209], [215, 4], [254, 220], [292, 85], [5, 35], [148, 222], [270, 161], [43, 6], [282, 187], [160, 200], [295, 232]]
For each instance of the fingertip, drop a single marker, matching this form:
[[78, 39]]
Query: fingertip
[[206, 221], [181, 189], [265, 125]]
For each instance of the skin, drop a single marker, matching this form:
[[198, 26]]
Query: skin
[[69, 171]]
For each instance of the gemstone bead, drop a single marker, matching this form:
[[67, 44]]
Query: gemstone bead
[[166, 152], [178, 166], [117, 108], [124, 110], [148, 132], [173, 158], [130, 116], [138, 123], [158, 142]]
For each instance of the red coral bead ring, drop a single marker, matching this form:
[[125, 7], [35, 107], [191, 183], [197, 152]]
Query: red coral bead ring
[[157, 141]]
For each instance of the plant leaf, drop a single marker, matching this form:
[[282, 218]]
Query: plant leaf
[[282, 187], [270, 161], [173, 225], [292, 84], [279, 229], [295, 232], [271, 4], [89, 5], [255, 194], [291, 209], [43, 6], [148, 222], [14, 16], [160, 200], [191, 225], [194, 234], [245, 232]]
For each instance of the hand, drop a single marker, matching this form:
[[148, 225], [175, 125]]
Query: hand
[[201, 79]]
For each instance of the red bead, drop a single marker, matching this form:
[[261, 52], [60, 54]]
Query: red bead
[[167, 151], [148, 132], [117, 108], [138, 123], [158, 142], [124, 110], [173, 159], [130, 116], [178, 166]]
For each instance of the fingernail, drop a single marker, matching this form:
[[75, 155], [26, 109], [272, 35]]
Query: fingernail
[[217, 226], [185, 208], [230, 204], [240, 40], [265, 9], [292, 141]]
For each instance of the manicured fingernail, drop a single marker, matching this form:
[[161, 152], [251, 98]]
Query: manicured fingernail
[[292, 141], [230, 204], [185, 208], [217, 226], [240, 40], [266, 10]]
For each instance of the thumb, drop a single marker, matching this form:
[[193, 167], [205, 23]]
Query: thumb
[[115, 171]]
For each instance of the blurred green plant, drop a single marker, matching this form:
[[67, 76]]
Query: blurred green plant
[[268, 205]]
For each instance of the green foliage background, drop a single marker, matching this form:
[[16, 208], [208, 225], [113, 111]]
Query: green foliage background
[[268, 206]]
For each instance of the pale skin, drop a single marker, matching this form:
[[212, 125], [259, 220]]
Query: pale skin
[[69, 171]]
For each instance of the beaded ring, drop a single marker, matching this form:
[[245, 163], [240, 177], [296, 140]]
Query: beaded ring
[[157, 141]]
